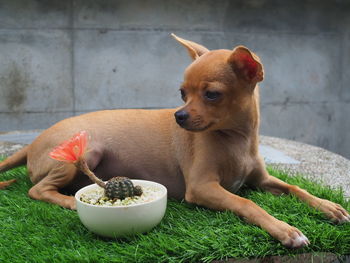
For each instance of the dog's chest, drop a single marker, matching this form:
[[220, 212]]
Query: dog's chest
[[234, 181], [236, 185], [233, 160], [234, 171]]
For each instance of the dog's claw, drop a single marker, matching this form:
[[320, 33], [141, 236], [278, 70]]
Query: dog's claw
[[343, 220], [335, 212]]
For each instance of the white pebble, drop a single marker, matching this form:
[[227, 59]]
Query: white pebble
[[97, 197]]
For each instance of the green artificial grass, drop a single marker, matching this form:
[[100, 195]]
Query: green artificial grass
[[33, 231]]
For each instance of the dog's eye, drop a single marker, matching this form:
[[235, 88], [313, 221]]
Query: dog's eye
[[212, 95], [183, 94]]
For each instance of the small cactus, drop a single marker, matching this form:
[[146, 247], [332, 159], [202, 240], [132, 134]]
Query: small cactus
[[121, 187]]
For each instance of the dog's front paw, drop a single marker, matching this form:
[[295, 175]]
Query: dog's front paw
[[336, 213], [289, 236], [295, 238]]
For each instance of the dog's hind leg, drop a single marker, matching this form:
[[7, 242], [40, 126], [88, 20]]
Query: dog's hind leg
[[5, 184], [55, 175], [47, 189]]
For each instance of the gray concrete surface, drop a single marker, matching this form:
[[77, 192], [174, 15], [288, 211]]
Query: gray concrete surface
[[293, 157], [61, 58], [19, 137]]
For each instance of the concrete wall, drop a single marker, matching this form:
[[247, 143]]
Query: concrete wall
[[60, 58]]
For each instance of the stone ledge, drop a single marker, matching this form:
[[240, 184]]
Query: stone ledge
[[8, 148], [308, 257]]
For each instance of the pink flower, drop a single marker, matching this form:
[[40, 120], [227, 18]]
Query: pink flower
[[71, 151]]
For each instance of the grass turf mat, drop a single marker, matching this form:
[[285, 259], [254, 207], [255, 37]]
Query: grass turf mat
[[33, 231]]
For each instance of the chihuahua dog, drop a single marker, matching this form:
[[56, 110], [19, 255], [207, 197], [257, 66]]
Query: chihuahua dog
[[203, 151]]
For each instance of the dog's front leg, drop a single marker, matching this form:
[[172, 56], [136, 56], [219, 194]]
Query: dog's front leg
[[213, 195], [333, 211]]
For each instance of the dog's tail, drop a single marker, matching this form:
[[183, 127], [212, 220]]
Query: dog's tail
[[17, 159]]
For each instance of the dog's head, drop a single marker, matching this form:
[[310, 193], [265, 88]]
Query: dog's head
[[218, 86]]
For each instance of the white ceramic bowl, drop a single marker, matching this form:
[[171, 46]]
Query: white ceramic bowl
[[119, 221]]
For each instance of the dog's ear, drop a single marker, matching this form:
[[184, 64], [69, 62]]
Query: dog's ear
[[194, 50], [246, 64]]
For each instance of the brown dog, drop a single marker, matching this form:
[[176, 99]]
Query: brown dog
[[208, 153]]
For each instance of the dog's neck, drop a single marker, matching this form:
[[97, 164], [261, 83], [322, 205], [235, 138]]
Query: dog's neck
[[247, 127]]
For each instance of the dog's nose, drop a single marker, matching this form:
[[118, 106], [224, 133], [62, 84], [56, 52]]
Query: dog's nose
[[181, 117]]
